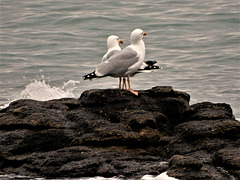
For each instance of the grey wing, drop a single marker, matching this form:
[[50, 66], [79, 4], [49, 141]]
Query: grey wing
[[118, 64], [110, 54]]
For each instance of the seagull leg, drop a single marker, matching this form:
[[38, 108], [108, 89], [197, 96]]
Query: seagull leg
[[124, 86], [129, 87], [132, 91], [120, 83]]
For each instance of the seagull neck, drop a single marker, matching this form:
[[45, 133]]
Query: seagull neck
[[116, 47], [140, 45]]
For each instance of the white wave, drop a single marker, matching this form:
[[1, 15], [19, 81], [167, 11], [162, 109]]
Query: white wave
[[2, 106], [162, 176], [41, 91]]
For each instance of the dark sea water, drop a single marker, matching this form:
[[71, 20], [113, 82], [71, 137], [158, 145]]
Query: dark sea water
[[47, 45]]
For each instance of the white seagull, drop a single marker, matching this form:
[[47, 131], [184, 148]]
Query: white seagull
[[124, 63], [113, 47]]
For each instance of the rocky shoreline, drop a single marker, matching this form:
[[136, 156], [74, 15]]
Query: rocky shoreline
[[112, 132]]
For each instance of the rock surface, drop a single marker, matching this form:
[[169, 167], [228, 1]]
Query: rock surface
[[112, 132]]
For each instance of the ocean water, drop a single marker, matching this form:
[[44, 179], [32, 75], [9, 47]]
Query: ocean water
[[47, 45]]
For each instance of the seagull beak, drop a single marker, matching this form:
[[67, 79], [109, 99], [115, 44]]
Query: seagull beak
[[120, 41], [144, 33]]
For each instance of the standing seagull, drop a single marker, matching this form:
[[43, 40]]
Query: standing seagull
[[125, 62], [113, 47]]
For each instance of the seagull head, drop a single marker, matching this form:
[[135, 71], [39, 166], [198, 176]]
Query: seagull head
[[137, 35], [113, 41]]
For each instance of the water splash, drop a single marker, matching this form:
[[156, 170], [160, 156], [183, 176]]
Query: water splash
[[162, 176], [41, 91]]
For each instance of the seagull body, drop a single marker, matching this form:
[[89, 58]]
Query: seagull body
[[125, 62]]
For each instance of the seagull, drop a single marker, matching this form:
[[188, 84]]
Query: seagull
[[113, 47], [123, 63]]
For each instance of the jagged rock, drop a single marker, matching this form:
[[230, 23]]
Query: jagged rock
[[208, 128], [185, 161], [229, 158], [208, 110], [112, 132]]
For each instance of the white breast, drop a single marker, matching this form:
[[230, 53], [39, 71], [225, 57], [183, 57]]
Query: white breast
[[140, 49]]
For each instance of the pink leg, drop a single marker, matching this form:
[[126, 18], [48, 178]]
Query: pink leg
[[124, 86], [128, 80], [132, 91], [120, 83]]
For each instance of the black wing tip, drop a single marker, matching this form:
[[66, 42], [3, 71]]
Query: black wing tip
[[89, 76], [150, 63]]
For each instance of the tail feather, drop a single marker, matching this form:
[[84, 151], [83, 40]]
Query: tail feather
[[149, 67], [90, 76]]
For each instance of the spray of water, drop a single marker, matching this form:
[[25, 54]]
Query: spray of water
[[41, 91]]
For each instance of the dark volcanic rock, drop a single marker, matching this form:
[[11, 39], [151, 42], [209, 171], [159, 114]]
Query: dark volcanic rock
[[230, 159], [209, 128], [208, 110], [112, 132]]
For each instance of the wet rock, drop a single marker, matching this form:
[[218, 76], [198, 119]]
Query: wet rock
[[185, 161], [208, 110], [229, 158], [109, 102], [208, 128], [113, 132]]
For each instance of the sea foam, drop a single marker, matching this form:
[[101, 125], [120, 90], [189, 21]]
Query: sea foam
[[41, 91]]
